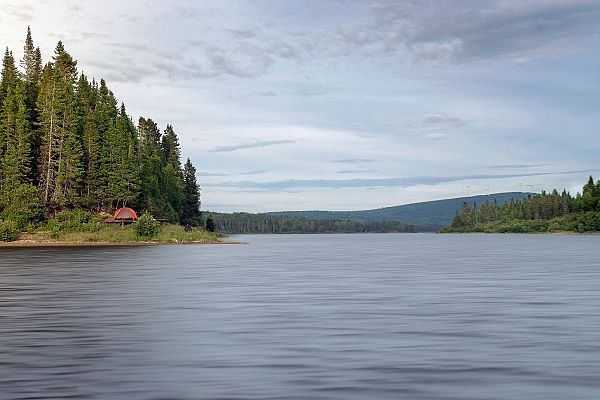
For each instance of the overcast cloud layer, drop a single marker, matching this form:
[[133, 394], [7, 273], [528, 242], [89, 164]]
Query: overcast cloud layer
[[346, 105]]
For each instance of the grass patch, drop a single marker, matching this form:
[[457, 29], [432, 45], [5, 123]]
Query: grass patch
[[114, 233]]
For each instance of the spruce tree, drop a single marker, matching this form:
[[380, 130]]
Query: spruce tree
[[61, 158], [48, 115], [191, 191], [32, 76], [16, 133], [85, 103], [120, 162], [32, 72], [150, 168], [9, 74], [170, 148]]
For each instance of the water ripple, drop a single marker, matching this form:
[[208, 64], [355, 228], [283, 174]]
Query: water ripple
[[305, 317]]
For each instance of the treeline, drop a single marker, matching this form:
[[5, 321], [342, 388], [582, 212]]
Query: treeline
[[545, 212], [66, 143], [244, 223]]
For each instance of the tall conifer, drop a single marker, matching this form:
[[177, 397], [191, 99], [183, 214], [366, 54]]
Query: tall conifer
[[191, 191], [47, 109], [16, 133], [170, 148], [61, 158], [32, 71]]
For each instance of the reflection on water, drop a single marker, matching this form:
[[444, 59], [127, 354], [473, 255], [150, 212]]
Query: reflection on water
[[305, 317]]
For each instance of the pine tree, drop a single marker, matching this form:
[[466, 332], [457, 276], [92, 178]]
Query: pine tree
[[32, 72], [16, 133], [85, 104], [172, 194], [9, 74], [191, 191], [64, 143], [32, 76], [47, 109], [210, 224], [150, 168], [149, 138], [61, 159], [122, 185], [170, 148]]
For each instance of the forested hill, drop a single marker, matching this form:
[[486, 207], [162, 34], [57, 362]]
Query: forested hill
[[544, 212], [66, 143], [430, 215]]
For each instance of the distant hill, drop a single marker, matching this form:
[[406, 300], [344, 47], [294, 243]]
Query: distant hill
[[426, 216]]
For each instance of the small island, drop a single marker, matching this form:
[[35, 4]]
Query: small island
[[70, 156]]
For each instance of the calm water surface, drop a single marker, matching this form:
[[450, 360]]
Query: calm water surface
[[405, 316]]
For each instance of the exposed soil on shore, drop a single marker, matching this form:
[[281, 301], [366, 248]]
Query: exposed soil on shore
[[59, 243]]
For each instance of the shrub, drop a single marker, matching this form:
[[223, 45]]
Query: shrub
[[210, 224], [146, 226], [76, 220], [8, 231], [22, 217]]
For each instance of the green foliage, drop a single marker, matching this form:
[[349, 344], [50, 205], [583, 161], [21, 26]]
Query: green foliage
[[210, 224], [21, 205], [66, 138], [8, 231], [76, 220], [268, 223], [9, 74], [146, 226], [191, 202], [541, 213], [427, 216]]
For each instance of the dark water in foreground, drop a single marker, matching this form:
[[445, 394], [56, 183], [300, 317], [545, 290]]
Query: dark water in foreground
[[413, 316]]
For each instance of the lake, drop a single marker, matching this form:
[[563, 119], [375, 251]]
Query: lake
[[368, 316]]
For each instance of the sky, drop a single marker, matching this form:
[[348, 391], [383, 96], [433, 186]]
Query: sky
[[346, 105]]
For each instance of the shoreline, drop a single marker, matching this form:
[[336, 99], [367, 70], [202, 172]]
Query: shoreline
[[62, 243]]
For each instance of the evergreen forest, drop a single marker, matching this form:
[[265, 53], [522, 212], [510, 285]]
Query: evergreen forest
[[545, 212], [242, 222], [67, 144]]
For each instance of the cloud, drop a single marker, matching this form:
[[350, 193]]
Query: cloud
[[443, 119], [116, 72], [354, 161], [390, 34], [185, 12], [517, 166], [243, 59], [130, 18], [256, 172], [21, 12], [242, 146], [424, 123], [436, 136], [243, 33], [91, 35], [434, 122], [130, 46], [293, 184], [355, 171], [264, 93], [308, 92], [509, 30]]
